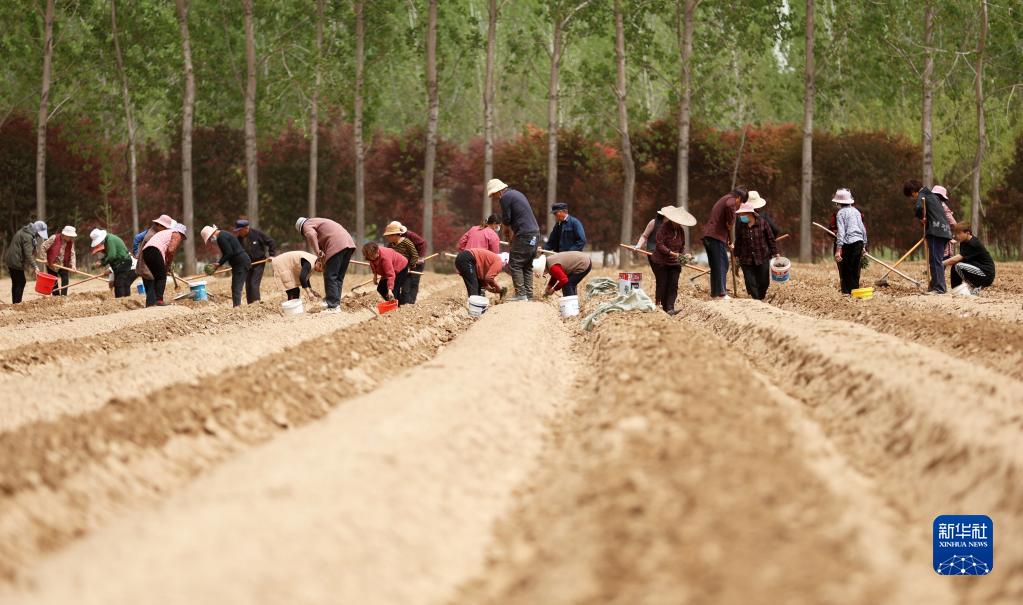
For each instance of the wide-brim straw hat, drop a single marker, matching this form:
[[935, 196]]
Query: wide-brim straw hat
[[97, 237], [69, 231], [677, 216], [495, 185], [207, 232], [843, 196], [394, 228], [755, 200], [940, 192], [164, 220], [746, 208]]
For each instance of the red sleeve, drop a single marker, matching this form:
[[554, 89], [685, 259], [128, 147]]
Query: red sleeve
[[558, 273], [462, 240], [494, 240]]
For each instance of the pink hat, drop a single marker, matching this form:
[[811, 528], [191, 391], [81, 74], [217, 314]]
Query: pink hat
[[746, 208], [940, 192], [164, 221], [843, 196]]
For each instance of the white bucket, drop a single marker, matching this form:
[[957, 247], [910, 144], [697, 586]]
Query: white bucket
[[477, 305], [569, 306], [293, 307], [780, 268], [962, 290], [627, 282]]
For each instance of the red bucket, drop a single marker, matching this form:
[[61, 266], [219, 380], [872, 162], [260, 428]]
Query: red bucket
[[45, 283], [387, 306]]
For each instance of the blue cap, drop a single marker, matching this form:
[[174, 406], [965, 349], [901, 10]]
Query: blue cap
[[559, 207], [241, 223]]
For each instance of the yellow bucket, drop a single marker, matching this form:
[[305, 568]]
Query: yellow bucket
[[863, 293]]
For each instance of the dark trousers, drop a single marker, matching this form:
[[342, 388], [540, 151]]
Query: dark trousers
[[123, 276], [252, 282], [410, 291], [936, 250], [399, 283], [59, 287], [154, 291], [465, 265], [520, 262], [293, 293], [571, 288], [973, 276], [717, 258], [17, 284], [240, 266], [334, 271], [757, 279], [666, 288], [849, 268]]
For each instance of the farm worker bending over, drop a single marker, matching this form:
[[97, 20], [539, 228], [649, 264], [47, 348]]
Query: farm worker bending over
[[754, 248], [158, 254], [517, 215], [566, 269], [717, 238], [851, 241], [479, 269], [258, 246], [292, 270], [671, 245], [231, 252], [390, 269], [159, 224], [928, 209], [59, 249], [483, 236], [397, 238], [568, 233], [973, 264], [332, 244], [113, 253], [21, 256]]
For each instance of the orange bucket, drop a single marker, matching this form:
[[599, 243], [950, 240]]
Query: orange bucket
[[387, 306], [45, 283]]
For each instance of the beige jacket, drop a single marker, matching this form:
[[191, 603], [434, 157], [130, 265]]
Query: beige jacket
[[288, 267]]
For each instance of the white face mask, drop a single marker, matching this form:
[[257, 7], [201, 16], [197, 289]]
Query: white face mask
[[497, 228]]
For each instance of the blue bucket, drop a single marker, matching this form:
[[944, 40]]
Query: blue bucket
[[199, 291], [141, 288]]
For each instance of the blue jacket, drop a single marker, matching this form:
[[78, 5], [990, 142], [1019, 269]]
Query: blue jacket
[[567, 235], [135, 243]]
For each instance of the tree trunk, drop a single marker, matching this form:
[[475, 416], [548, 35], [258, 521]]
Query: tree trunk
[[129, 117], [187, 114], [360, 149], [433, 108], [806, 190], [44, 111], [552, 124], [928, 100], [488, 107], [314, 117], [685, 51], [251, 157], [628, 167], [978, 87]]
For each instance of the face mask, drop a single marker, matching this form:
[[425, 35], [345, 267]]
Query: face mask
[[744, 219], [498, 229]]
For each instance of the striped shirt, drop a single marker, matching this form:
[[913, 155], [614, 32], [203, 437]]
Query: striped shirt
[[850, 227], [406, 248]]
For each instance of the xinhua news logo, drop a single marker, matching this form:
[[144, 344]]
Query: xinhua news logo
[[964, 545]]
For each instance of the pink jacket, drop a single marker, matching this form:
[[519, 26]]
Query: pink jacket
[[388, 265], [479, 237], [325, 235]]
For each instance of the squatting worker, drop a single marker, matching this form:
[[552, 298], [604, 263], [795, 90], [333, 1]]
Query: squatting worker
[[410, 291], [671, 245], [568, 233], [161, 223], [850, 240], [517, 215], [567, 270], [973, 264], [928, 209], [389, 270], [717, 239], [485, 236], [231, 252], [259, 246], [113, 252], [59, 251], [292, 270], [754, 248], [332, 244], [21, 256], [158, 254], [479, 268]]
